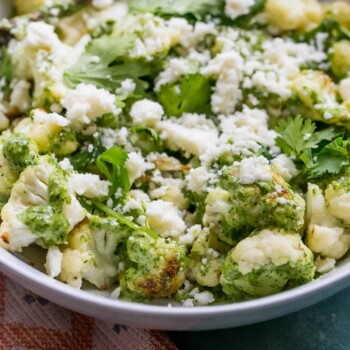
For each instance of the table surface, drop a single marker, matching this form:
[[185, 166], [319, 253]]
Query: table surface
[[324, 326]]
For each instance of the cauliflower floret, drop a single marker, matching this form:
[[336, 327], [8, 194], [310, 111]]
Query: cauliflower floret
[[72, 264], [171, 193], [340, 58], [19, 152], [8, 176], [50, 131], [87, 103], [93, 245], [24, 6], [241, 207], [40, 206], [165, 218], [266, 263], [338, 10], [20, 98], [344, 90], [53, 261], [41, 56], [156, 268], [285, 15], [324, 235], [337, 196], [317, 99], [208, 264]]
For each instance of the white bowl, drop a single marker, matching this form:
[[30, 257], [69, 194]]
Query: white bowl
[[94, 304]]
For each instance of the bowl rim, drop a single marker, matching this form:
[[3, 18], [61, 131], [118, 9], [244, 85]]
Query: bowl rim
[[18, 269]]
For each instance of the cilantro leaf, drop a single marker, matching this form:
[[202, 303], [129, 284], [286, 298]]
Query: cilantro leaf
[[318, 151], [102, 64], [331, 159], [85, 161], [193, 96], [197, 8], [147, 139], [112, 164], [297, 135]]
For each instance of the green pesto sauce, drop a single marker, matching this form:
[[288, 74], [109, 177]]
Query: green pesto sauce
[[58, 188], [47, 222], [20, 152]]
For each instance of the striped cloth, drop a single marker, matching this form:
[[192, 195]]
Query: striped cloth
[[29, 322]]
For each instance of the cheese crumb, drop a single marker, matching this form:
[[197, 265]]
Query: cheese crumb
[[255, 169], [146, 112], [236, 8]]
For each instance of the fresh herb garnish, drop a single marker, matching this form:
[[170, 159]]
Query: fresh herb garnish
[[193, 96], [123, 220], [112, 164], [318, 152], [198, 9], [106, 68]]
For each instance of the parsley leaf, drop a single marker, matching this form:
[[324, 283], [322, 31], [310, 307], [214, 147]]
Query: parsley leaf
[[197, 8], [102, 64], [112, 164], [318, 152], [193, 96]]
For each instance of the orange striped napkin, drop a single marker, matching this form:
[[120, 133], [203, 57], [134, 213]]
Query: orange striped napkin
[[29, 322]]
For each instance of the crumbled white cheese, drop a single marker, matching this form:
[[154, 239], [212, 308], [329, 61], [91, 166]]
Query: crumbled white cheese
[[176, 68], [236, 8], [40, 35], [88, 185], [87, 103], [227, 69], [127, 87], [165, 219], [197, 179], [191, 235], [188, 134], [284, 166], [204, 298], [255, 169], [66, 165], [146, 112], [153, 36], [137, 166]]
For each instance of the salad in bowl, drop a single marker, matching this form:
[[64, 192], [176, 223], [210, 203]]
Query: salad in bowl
[[194, 151]]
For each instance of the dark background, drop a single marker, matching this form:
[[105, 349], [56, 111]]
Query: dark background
[[324, 326]]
